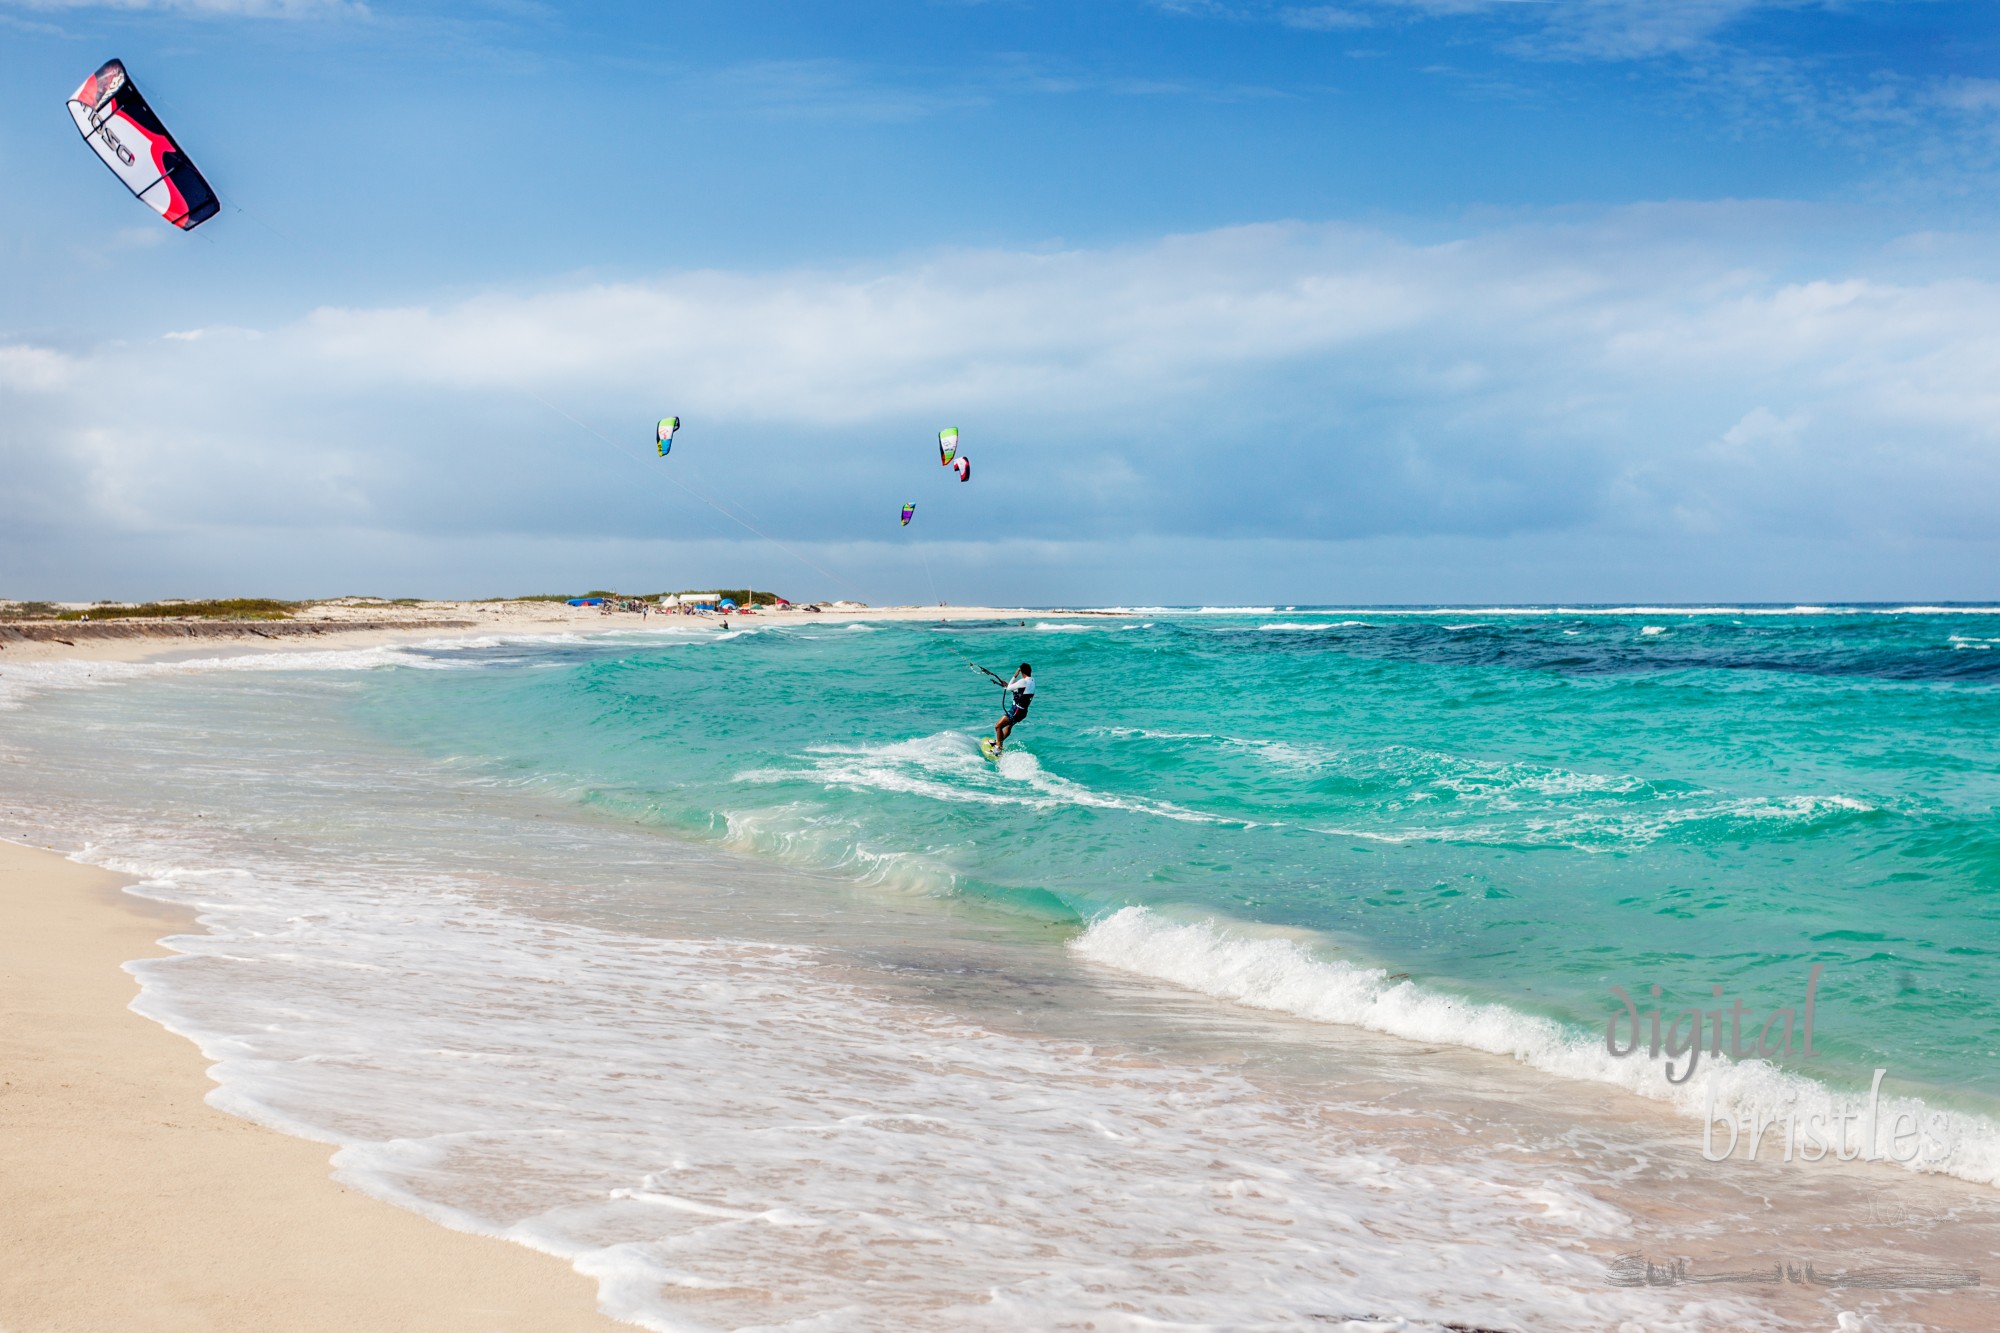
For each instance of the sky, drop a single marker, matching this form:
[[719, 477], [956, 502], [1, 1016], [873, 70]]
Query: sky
[[1385, 301]]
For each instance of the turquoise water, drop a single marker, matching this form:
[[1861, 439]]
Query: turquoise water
[[1523, 808], [720, 963]]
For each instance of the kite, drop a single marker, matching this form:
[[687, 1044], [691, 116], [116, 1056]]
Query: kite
[[947, 445], [909, 512], [963, 467], [123, 130], [668, 426]]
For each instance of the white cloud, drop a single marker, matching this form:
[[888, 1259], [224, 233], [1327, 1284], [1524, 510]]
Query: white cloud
[[1641, 376], [34, 368], [1761, 428]]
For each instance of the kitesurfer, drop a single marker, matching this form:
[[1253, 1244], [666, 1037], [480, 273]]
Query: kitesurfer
[[1020, 696]]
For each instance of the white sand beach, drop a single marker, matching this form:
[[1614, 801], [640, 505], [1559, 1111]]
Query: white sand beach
[[367, 622], [131, 1204]]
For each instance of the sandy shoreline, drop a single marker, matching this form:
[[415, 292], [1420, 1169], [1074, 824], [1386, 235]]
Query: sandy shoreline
[[133, 1204], [139, 1206], [349, 624]]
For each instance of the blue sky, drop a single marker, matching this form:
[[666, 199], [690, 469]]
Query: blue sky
[[1404, 300]]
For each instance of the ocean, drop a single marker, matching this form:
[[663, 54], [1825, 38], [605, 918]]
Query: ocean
[[1263, 982]]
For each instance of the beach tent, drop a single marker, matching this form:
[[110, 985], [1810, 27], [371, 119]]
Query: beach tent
[[728, 604], [586, 601]]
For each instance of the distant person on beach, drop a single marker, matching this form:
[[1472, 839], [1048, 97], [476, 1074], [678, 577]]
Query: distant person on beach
[[1020, 695]]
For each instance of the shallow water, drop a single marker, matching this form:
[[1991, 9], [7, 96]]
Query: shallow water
[[723, 964]]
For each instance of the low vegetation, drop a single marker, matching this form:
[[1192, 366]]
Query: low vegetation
[[231, 608], [741, 596]]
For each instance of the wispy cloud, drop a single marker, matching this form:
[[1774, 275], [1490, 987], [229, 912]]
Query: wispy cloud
[[1639, 29], [825, 90], [1737, 65], [278, 9], [1578, 29], [1603, 29], [1976, 96], [842, 90], [1324, 18]]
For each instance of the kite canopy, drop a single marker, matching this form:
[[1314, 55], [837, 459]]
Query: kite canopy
[[121, 128], [947, 445], [668, 425], [963, 467], [909, 512]]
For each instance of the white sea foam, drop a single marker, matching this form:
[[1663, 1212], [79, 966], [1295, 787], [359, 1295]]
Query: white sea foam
[[1633, 610], [1622, 811], [1623, 828], [725, 1133], [17, 683], [733, 1132], [1283, 974], [1982, 610], [805, 835], [947, 766], [1310, 625], [1638, 609], [1191, 610], [1089, 626]]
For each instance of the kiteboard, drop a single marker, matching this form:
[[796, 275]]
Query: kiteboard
[[986, 747]]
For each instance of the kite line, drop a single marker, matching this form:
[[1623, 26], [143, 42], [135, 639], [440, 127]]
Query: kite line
[[748, 526]]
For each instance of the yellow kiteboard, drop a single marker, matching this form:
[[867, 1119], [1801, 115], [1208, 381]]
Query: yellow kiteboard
[[986, 747]]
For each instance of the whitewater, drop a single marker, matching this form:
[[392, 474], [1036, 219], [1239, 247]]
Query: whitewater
[[1262, 984]]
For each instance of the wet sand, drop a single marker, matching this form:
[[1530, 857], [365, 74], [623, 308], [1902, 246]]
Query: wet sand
[[131, 1204]]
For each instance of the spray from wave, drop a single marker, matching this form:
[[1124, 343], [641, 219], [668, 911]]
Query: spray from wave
[[1285, 976]]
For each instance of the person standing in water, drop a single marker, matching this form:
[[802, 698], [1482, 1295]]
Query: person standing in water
[[1020, 696]]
